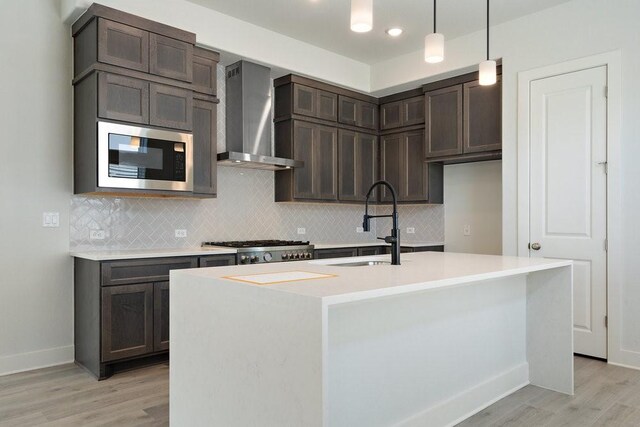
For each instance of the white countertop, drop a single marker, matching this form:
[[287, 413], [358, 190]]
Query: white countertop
[[378, 243], [216, 250], [150, 253], [419, 271]]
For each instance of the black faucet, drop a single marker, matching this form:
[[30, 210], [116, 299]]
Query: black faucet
[[394, 239]]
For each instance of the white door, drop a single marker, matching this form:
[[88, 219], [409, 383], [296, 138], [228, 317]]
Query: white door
[[568, 191]]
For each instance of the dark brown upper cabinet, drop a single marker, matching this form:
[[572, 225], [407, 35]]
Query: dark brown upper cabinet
[[170, 107], [443, 121], [464, 122], [123, 45], [482, 117], [317, 146], [170, 57], [123, 98], [300, 99], [205, 158], [358, 113], [407, 112], [402, 165], [205, 70], [357, 165], [305, 100], [327, 106]]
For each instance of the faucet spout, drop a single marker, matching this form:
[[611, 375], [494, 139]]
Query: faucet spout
[[394, 239]]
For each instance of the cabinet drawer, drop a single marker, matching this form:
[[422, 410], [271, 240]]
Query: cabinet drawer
[[143, 270], [170, 107], [170, 58], [371, 250], [217, 260], [122, 45], [335, 253], [123, 98]]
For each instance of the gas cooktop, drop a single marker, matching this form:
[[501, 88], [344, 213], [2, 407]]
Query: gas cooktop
[[256, 243], [262, 251]]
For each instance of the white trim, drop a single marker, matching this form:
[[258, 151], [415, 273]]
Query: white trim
[[612, 60], [36, 359]]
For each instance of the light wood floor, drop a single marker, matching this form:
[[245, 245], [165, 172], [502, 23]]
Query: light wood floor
[[67, 396]]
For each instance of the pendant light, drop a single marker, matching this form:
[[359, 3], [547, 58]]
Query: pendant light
[[361, 15], [434, 43], [487, 68]]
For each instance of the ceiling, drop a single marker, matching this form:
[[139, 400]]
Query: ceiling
[[325, 23]]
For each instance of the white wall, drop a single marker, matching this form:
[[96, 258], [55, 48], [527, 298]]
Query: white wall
[[473, 197], [571, 30], [36, 318]]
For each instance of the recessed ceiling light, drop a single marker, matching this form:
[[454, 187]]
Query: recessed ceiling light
[[394, 32]]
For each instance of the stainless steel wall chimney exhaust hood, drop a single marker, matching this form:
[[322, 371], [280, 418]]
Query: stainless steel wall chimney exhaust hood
[[249, 119]]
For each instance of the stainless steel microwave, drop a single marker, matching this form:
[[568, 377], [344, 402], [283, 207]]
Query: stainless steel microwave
[[144, 158]]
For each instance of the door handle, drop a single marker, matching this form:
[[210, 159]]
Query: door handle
[[535, 246]]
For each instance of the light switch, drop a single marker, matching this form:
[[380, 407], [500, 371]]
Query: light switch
[[181, 233], [97, 235], [359, 230], [51, 219], [466, 230]]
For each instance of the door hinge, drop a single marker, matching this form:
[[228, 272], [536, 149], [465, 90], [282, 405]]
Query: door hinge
[[606, 167], [606, 321], [606, 245]]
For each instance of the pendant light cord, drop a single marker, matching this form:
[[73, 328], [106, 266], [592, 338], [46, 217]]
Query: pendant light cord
[[487, 30], [434, 16]]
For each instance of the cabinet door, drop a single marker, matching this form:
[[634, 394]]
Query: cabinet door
[[347, 110], [390, 162], [122, 45], [304, 100], [327, 108], [413, 111], [347, 185], [482, 117], [204, 71], [303, 177], [204, 148], [326, 163], [161, 316], [413, 187], [335, 253], [367, 115], [170, 58], [123, 98], [170, 107], [443, 121], [366, 165], [391, 115], [127, 321]]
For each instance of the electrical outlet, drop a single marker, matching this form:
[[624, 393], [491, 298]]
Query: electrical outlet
[[466, 230], [302, 231], [411, 230], [181, 233], [51, 219], [359, 230], [97, 235]]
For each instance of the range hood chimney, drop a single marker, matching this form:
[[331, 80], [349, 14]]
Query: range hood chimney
[[249, 119]]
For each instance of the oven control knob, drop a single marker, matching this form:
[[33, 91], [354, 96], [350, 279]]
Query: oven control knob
[[284, 256], [267, 256], [243, 259], [308, 255], [254, 259]]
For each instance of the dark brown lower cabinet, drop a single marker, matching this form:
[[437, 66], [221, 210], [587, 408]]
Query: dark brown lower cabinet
[[127, 321], [161, 316], [371, 250], [335, 253], [121, 309]]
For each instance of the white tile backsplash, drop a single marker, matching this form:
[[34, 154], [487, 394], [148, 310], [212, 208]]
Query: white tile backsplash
[[244, 209]]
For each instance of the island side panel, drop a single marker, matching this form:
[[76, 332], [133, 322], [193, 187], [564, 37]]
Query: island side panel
[[426, 358], [550, 328], [242, 355]]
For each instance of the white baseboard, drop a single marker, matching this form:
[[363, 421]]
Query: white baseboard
[[473, 400], [36, 359], [625, 358]]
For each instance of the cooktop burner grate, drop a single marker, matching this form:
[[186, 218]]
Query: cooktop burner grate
[[256, 243]]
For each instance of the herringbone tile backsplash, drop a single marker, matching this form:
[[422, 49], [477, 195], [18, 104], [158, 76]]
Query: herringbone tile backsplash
[[244, 209]]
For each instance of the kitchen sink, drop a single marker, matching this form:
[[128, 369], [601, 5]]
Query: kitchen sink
[[359, 263]]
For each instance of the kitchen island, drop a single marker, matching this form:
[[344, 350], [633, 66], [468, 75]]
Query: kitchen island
[[321, 343]]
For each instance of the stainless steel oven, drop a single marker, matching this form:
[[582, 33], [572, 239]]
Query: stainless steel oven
[[144, 158]]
